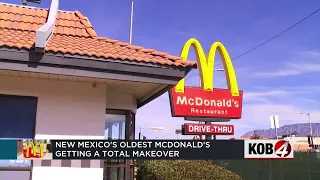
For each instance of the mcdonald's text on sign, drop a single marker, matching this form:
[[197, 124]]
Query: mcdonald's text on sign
[[195, 102], [206, 101], [268, 149], [208, 129]]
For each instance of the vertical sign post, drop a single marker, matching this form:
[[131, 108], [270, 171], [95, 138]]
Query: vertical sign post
[[274, 121]]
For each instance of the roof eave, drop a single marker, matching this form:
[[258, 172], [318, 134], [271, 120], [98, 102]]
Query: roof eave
[[104, 69]]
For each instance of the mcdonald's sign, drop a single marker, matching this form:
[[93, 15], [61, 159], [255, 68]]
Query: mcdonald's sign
[[30, 151], [206, 101]]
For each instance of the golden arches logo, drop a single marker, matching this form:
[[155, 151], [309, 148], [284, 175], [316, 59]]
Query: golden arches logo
[[33, 147], [206, 66]]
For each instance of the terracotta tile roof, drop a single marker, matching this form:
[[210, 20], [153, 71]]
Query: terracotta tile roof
[[73, 34], [30, 19]]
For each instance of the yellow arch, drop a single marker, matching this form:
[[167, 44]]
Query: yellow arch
[[206, 66], [34, 149]]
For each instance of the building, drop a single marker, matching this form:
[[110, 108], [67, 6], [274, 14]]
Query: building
[[301, 143], [60, 80]]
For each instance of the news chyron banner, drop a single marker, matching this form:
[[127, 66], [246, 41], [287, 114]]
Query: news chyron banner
[[172, 149], [146, 149]]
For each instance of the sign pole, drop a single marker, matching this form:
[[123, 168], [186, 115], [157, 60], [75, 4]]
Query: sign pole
[[208, 137], [274, 120], [275, 126]]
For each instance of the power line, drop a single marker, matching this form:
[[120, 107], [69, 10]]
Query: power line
[[270, 39]]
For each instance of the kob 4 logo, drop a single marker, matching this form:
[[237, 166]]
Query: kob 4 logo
[[268, 149]]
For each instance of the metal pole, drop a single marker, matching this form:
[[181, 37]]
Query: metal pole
[[310, 123], [208, 137], [131, 23], [275, 126], [140, 133]]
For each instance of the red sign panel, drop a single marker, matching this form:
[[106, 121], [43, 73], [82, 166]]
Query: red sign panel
[[195, 102], [208, 129]]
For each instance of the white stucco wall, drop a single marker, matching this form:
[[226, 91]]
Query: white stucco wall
[[67, 110], [121, 101], [71, 110], [64, 107]]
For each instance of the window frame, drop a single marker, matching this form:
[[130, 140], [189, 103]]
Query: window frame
[[129, 134]]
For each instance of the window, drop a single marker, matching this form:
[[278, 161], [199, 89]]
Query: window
[[18, 116], [119, 124], [115, 126]]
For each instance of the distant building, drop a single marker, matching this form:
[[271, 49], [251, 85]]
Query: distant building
[[301, 143]]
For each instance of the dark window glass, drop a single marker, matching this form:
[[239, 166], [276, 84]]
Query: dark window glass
[[17, 116]]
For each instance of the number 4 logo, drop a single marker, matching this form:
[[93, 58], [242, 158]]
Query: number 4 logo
[[282, 148]]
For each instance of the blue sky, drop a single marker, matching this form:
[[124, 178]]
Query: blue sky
[[280, 78]]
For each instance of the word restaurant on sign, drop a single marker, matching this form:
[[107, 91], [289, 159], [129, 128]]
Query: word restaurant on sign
[[200, 102]]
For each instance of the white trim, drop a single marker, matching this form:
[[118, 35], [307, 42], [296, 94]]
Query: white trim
[[43, 33], [66, 173], [44, 136]]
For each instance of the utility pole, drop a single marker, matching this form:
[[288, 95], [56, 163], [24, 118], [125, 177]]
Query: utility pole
[[310, 125]]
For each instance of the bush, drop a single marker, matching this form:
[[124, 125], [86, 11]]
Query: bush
[[183, 170]]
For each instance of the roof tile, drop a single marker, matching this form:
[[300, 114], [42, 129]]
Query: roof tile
[[73, 34], [11, 38], [35, 16]]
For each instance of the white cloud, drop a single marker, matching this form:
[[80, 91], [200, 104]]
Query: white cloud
[[263, 96], [291, 69], [302, 89], [290, 89], [307, 62]]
